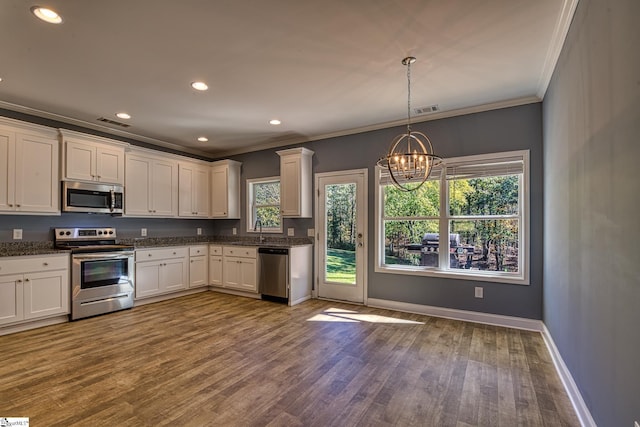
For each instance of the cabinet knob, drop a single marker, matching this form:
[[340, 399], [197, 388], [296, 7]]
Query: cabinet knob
[[45, 264], [149, 255], [10, 205], [26, 280], [19, 280], [17, 205], [174, 253]]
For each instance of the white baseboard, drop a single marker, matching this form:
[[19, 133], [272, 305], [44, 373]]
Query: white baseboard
[[582, 411], [299, 300], [164, 297], [20, 327], [451, 313]]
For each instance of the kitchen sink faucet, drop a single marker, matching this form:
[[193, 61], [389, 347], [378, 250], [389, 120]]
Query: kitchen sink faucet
[[255, 228]]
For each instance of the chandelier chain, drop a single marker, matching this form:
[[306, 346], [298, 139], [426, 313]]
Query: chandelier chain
[[409, 97]]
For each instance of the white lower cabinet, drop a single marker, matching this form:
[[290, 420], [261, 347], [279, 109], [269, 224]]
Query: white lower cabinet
[[33, 288], [233, 267], [198, 266], [161, 271], [215, 265]]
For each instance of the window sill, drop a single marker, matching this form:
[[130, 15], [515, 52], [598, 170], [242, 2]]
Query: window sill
[[474, 275]]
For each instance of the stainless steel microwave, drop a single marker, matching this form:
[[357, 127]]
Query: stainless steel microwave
[[92, 197]]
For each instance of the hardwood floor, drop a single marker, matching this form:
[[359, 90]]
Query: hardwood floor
[[214, 359]]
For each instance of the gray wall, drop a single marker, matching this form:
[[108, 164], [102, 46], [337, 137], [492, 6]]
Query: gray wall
[[591, 122], [488, 132], [39, 228]]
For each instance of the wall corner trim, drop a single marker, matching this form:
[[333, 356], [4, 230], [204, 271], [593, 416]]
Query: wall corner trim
[[465, 315], [582, 411]]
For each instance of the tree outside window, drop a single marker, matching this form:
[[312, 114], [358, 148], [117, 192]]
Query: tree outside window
[[264, 204]]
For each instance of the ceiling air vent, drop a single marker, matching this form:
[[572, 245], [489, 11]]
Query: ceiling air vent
[[112, 122], [425, 110]]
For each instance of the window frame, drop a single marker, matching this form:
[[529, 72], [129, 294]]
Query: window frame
[[444, 218], [251, 205]]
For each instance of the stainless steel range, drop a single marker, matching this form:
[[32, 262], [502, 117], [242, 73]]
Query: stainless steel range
[[101, 270]]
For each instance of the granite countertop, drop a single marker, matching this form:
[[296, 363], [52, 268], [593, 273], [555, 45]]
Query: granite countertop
[[46, 248], [29, 248]]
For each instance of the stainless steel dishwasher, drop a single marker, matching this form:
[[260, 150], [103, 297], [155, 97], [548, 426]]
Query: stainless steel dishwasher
[[274, 271]]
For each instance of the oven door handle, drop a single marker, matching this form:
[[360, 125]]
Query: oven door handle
[[104, 255]]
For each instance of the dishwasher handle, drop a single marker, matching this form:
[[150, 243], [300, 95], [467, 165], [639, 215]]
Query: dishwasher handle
[[273, 251]]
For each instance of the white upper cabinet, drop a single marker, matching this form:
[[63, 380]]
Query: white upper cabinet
[[91, 158], [225, 189], [151, 186], [193, 181], [295, 183], [29, 164]]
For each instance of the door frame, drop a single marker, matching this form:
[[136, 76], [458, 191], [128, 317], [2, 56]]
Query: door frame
[[365, 226]]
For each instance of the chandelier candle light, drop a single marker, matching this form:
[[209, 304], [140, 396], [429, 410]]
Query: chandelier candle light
[[412, 165]]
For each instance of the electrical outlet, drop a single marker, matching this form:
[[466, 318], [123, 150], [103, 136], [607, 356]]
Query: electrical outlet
[[479, 292], [143, 232], [234, 231], [311, 232], [291, 231], [17, 234], [199, 231]]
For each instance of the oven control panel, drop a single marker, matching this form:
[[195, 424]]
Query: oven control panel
[[84, 233]]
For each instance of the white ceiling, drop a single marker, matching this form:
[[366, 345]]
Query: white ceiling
[[322, 67]]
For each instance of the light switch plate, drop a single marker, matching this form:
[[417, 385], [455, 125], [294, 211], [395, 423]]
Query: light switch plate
[[479, 292], [311, 232], [234, 231], [291, 231], [143, 232], [17, 234]]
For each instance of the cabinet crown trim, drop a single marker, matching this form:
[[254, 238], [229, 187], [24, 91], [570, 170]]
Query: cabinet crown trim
[[292, 151], [66, 133]]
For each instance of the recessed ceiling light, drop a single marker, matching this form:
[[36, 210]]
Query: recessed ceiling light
[[46, 14], [199, 86], [275, 122], [203, 139], [123, 115]]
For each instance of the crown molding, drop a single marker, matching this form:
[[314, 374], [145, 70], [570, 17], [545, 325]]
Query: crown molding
[[555, 46]]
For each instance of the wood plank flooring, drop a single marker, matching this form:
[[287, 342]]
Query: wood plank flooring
[[212, 359]]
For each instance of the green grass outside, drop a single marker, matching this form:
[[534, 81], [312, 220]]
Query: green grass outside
[[341, 266]]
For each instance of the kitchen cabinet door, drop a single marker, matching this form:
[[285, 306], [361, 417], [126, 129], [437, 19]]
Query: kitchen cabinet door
[[11, 298], [198, 269], [240, 274], [36, 185], [248, 275], [164, 189], [215, 270], [46, 293], [7, 164], [295, 183], [175, 274], [151, 187], [90, 161], [225, 189], [110, 164], [148, 278], [193, 199]]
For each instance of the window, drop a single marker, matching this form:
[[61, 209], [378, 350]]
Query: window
[[474, 206], [263, 204]]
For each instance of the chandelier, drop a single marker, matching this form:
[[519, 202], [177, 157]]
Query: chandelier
[[410, 157]]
